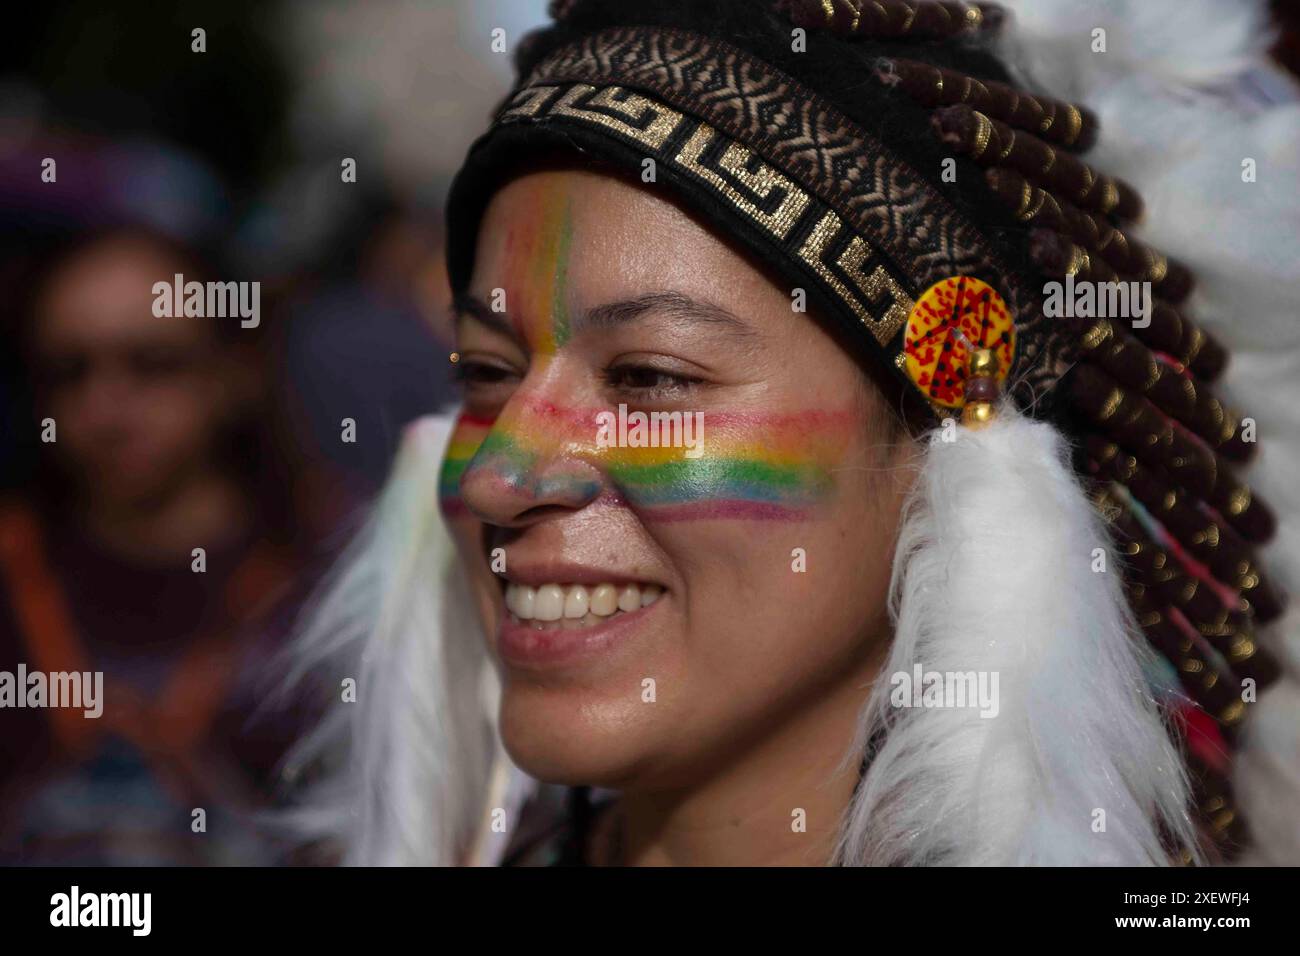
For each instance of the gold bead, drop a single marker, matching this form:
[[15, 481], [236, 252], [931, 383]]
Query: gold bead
[[977, 414], [983, 363]]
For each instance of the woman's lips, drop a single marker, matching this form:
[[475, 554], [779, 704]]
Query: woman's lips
[[558, 623]]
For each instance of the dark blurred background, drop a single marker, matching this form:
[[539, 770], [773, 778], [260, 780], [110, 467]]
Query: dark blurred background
[[129, 440]]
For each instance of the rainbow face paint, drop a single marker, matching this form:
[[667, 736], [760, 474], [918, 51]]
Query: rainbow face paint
[[497, 456], [684, 430], [537, 268], [726, 466], [752, 467]]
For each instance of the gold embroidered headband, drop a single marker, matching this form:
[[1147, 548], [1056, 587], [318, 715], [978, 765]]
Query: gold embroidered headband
[[811, 191]]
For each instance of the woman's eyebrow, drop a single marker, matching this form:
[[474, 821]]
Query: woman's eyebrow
[[676, 305], [464, 305]]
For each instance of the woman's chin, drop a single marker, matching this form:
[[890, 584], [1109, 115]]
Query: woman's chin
[[577, 738]]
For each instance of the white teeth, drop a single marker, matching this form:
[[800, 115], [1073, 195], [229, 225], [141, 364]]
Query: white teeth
[[629, 598], [520, 599], [550, 603], [604, 600], [576, 604]]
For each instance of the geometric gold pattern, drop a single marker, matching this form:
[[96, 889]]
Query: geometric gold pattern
[[735, 174]]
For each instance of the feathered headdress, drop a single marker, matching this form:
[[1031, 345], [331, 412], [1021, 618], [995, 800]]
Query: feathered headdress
[[1081, 526]]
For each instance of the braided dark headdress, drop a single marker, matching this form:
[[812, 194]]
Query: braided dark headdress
[[829, 165]]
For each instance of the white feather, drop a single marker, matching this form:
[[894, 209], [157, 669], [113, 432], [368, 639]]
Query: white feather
[[994, 573], [419, 745]]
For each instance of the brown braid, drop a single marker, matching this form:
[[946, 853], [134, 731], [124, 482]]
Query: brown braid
[[1166, 446], [1223, 553], [930, 19], [1169, 386], [1205, 681], [994, 143], [1170, 280], [1061, 123], [1215, 801], [1170, 331], [1210, 661]]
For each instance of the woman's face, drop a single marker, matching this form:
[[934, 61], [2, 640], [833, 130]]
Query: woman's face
[[660, 608], [137, 401]]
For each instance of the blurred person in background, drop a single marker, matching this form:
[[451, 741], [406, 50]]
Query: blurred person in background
[[156, 445], [358, 346], [174, 434]]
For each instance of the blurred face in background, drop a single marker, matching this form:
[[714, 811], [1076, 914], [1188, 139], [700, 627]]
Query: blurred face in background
[[136, 399], [658, 611]]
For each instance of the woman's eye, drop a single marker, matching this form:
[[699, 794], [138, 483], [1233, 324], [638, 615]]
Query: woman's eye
[[476, 374], [648, 380]]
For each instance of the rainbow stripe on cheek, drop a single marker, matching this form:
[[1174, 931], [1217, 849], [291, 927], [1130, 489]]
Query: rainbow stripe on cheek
[[537, 268], [740, 480], [468, 436], [759, 468]]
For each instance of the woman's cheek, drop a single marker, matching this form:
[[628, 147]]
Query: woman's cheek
[[778, 468]]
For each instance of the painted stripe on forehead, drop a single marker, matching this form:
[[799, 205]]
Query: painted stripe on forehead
[[560, 282], [537, 268]]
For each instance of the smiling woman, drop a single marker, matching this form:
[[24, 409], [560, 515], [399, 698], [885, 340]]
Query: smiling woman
[[798, 450], [604, 649]]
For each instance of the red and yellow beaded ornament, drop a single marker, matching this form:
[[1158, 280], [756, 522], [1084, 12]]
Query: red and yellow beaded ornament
[[955, 318]]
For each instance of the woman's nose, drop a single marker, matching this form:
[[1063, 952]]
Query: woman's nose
[[528, 469]]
